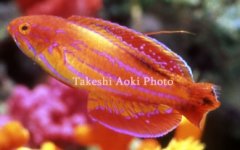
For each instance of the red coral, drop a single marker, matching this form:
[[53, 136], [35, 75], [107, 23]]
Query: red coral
[[62, 8], [50, 111]]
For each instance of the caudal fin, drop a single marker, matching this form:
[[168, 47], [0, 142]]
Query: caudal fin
[[203, 100]]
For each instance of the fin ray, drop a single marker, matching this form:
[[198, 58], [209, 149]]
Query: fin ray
[[144, 48], [134, 118]]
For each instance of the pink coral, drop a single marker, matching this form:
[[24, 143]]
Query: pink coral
[[55, 112], [4, 119], [50, 111]]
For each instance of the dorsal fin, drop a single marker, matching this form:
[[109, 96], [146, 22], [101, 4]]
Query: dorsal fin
[[146, 49]]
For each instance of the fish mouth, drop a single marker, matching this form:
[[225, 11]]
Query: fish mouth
[[24, 45], [11, 25], [12, 30], [9, 29]]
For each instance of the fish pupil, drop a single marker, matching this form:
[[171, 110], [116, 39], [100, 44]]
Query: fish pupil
[[24, 28]]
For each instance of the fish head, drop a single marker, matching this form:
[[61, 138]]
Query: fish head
[[33, 34]]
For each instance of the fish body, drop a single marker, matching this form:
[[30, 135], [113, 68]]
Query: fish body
[[131, 101]]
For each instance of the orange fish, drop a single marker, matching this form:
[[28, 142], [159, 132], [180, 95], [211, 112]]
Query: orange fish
[[136, 85]]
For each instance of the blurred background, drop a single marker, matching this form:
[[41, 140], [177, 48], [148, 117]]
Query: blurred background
[[213, 52]]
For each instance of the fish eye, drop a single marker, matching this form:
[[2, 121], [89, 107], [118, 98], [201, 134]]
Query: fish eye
[[24, 28]]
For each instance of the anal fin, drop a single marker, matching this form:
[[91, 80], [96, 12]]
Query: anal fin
[[139, 119]]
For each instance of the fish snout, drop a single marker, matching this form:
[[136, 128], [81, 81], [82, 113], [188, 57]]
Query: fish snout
[[11, 28]]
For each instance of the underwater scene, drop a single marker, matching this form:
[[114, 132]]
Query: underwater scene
[[119, 74]]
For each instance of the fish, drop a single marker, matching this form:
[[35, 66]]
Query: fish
[[149, 89]]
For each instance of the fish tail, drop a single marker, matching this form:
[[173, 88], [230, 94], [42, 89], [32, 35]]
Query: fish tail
[[203, 99]]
